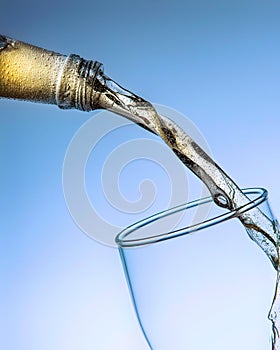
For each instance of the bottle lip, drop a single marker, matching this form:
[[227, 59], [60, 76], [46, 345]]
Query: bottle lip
[[76, 84], [123, 239]]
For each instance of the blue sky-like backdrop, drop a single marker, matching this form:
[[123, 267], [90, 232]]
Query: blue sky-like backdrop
[[216, 62]]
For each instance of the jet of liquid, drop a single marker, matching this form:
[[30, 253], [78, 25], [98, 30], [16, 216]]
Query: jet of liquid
[[31, 73], [224, 191]]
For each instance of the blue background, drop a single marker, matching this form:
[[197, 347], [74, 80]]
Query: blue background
[[215, 61]]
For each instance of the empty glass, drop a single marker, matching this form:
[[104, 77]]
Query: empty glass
[[203, 285]]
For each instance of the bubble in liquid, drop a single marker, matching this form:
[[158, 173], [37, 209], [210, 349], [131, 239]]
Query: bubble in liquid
[[221, 201]]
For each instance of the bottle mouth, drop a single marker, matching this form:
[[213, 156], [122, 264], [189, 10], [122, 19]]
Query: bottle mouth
[[76, 85], [128, 237]]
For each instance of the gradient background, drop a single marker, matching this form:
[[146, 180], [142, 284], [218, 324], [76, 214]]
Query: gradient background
[[215, 61]]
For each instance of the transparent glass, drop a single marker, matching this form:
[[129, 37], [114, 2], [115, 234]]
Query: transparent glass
[[204, 285]]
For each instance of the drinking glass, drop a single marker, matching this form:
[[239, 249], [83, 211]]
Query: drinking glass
[[204, 284]]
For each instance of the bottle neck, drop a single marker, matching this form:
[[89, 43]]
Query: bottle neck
[[34, 74]]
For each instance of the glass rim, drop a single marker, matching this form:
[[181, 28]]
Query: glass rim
[[123, 242]]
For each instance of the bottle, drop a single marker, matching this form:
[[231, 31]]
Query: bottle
[[31, 73]]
